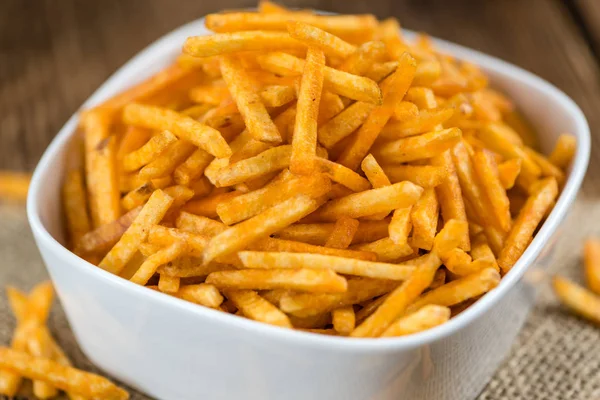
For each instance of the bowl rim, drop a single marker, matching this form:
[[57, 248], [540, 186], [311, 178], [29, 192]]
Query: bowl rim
[[160, 48]]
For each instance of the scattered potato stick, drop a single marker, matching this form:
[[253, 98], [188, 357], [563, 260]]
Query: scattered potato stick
[[343, 320], [124, 249], [345, 176], [529, 218], [330, 44], [343, 232], [63, 377], [397, 302], [424, 218], [489, 180], [508, 172], [427, 317], [14, 186], [369, 202], [578, 299], [149, 151], [386, 249], [306, 280], [101, 239], [319, 233], [234, 42], [426, 121], [277, 95], [207, 206], [310, 304], [419, 147], [180, 125], [75, 206], [257, 119], [166, 163], [340, 25], [257, 308], [352, 86], [400, 226], [344, 123], [270, 160], [304, 142], [426, 176], [262, 225], [204, 294], [457, 291], [346, 266], [591, 260], [564, 151], [192, 168]]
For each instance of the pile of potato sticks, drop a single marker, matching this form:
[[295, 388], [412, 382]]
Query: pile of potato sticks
[[312, 172]]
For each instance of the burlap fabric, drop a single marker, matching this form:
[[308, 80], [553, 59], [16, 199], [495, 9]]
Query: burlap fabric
[[556, 356]]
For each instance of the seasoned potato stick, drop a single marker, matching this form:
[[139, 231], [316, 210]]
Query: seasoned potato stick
[[394, 91], [101, 239], [138, 196], [190, 267], [100, 168], [424, 218], [151, 264], [270, 160], [207, 206], [374, 172], [63, 377], [380, 71], [343, 232], [344, 123], [591, 261], [351, 86], [234, 42], [253, 203], [340, 25], [345, 176], [192, 168], [449, 237], [304, 142], [389, 32], [199, 224], [426, 318], [400, 226], [346, 266], [75, 206], [257, 119], [564, 151], [508, 172], [529, 218], [422, 97], [344, 320], [425, 121], [149, 151], [397, 302], [262, 225], [257, 308], [273, 244], [369, 202], [331, 104], [361, 61], [459, 290], [480, 250], [277, 95], [319, 233], [580, 300], [166, 163], [548, 169], [418, 147], [459, 262], [330, 44], [489, 180], [204, 294], [209, 94], [169, 284], [306, 280], [426, 176], [14, 186], [151, 214], [180, 125], [385, 249]]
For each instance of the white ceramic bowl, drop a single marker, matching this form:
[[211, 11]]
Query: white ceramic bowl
[[172, 349]]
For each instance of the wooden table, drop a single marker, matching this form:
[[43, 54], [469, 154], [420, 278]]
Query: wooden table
[[55, 53]]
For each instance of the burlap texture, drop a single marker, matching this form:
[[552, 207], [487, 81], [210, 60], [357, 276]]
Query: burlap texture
[[555, 357]]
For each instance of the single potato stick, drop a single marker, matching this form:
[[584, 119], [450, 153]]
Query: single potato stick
[[63, 377], [262, 225], [459, 290], [204, 294], [361, 61], [564, 151], [426, 318], [330, 44], [168, 161], [169, 284], [344, 123], [591, 262], [234, 42], [426, 176], [400, 226], [304, 141], [346, 266], [419, 147], [180, 125], [306, 280], [277, 95], [578, 299], [75, 206], [424, 218], [343, 232], [318, 234], [345, 176], [257, 119], [14, 186], [386, 249], [271, 160], [531, 215], [149, 151], [149, 267], [508, 172], [397, 302], [424, 122], [192, 168], [369, 202], [151, 214], [257, 308], [343, 320]]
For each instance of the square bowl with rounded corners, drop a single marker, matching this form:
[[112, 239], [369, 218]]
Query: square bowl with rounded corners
[[172, 349]]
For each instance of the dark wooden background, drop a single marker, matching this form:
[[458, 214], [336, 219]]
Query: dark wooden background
[[54, 53]]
